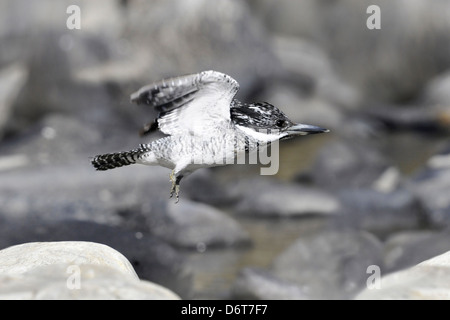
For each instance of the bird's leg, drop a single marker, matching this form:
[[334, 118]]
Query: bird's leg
[[172, 179], [175, 185]]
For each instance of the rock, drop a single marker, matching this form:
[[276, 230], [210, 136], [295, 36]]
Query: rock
[[420, 118], [71, 270], [25, 257], [53, 192], [426, 281], [391, 73], [409, 248], [207, 187], [194, 225], [331, 265], [262, 197], [431, 185], [56, 282], [36, 17], [436, 93], [353, 164], [300, 59], [151, 258], [228, 33], [47, 142], [12, 80], [380, 212], [255, 284]]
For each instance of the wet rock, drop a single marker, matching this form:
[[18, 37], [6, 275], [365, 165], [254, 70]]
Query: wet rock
[[72, 270], [255, 284], [330, 265], [380, 212], [426, 281], [262, 197], [348, 164], [12, 80], [193, 225]]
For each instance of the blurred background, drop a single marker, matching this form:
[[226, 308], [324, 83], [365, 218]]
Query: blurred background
[[374, 191]]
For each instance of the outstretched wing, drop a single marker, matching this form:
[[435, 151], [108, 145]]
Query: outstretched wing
[[189, 104]]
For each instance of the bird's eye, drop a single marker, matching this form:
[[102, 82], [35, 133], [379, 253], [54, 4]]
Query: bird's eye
[[280, 123]]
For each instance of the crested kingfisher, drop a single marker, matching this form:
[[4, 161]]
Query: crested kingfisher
[[205, 126]]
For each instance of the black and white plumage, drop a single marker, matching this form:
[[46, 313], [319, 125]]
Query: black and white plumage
[[204, 124]]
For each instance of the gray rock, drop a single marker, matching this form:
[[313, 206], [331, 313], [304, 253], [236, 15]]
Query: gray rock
[[207, 186], [54, 192], [255, 284], [263, 197], [436, 93], [56, 140], [380, 212], [12, 80], [71, 270], [193, 225], [229, 33], [406, 249], [428, 280], [330, 265], [417, 117], [348, 164], [302, 59], [412, 47], [431, 185]]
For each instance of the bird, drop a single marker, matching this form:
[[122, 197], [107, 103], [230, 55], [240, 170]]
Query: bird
[[204, 125]]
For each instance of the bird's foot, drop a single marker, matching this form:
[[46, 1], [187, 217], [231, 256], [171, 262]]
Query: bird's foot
[[175, 191]]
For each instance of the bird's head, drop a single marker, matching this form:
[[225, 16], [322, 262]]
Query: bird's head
[[265, 122]]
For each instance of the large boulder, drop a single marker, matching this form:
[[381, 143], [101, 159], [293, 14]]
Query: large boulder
[[429, 280], [71, 270]]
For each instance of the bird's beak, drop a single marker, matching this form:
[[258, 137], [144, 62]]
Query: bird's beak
[[304, 129]]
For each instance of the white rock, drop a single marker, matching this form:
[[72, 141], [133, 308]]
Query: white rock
[[25, 257], [86, 281], [429, 280], [72, 270]]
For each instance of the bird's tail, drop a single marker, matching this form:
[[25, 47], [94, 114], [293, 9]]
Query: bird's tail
[[115, 160]]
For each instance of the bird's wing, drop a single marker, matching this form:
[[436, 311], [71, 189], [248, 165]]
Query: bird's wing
[[189, 104]]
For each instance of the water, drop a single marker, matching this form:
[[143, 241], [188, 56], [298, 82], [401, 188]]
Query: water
[[215, 270]]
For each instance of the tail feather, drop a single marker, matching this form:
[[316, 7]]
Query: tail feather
[[116, 160]]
